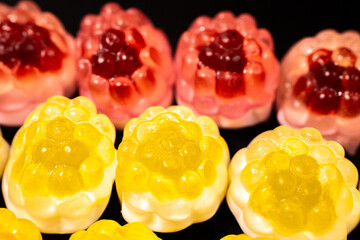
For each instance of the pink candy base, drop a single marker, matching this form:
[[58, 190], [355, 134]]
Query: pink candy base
[[348, 138], [252, 117], [119, 118]]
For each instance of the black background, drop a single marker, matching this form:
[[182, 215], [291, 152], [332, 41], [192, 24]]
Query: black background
[[287, 21]]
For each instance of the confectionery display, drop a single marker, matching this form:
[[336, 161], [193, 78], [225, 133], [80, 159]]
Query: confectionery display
[[61, 166], [37, 60], [12, 228], [164, 120], [124, 63], [292, 184], [226, 69], [111, 230], [4, 153], [320, 86], [245, 237], [172, 169]]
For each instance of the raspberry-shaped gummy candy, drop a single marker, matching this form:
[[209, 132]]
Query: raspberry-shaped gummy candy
[[172, 169], [245, 237], [4, 153], [61, 166], [226, 69], [37, 60], [292, 184], [320, 86], [111, 230], [124, 63], [12, 228]]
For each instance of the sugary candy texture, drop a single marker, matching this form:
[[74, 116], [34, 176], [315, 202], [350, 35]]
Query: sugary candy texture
[[292, 184], [226, 69], [172, 169], [61, 166], [111, 230], [37, 60], [124, 63], [245, 237], [12, 228], [320, 86], [4, 153]]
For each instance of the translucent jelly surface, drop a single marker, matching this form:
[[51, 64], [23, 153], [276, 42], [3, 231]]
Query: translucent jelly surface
[[111, 230], [169, 157], [298, 186], [226, 54], [124, 63], [12, 228], [245, 237], [27, 44], [115, 57], [4, 153], [61, 163], [332, 85], [61, 153]]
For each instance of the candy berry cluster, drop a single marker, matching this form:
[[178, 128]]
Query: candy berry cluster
[[115, 57], [226, 69], [125, 63], [332, 85], [28, 44], [64, 157], [291, 182], [178, 162], [224, 55], [172, 168], [37, 60]]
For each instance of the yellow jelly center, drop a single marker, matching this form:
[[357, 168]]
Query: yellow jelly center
[[295, 191], [60, 158], [169, 157]]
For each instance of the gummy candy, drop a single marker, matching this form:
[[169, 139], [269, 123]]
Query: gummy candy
[[61, 166], [226, 69], [245, 237], [37, 60], [4, 153], [320, 86], [17, 229], [172, 169], [124, 63], [12, 228], [292, 184], [111, 230]]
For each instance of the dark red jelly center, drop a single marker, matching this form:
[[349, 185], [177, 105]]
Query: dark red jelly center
[[27, 44], [115, 56], [328, 87], [225, 54]]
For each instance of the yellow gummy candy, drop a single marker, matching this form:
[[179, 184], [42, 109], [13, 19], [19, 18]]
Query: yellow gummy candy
[[4, 153], [174, 150], [245, 237], [64, 153], [111, 230], [170, 157], [297, 182], [12, 228]]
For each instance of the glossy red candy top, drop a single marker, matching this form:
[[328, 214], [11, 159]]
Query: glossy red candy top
[[37, 60], [226, 54], [115, 57], [28, 44], [320, 86], [226, 69], [124, 62], [332, 85]]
